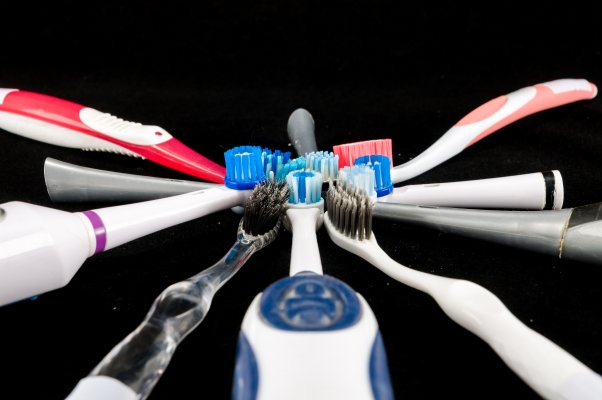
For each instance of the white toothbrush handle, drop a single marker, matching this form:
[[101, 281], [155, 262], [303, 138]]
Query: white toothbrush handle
[[536, 191], [101, 388], [305, 254], [122, 224], [547, 368], [492, 116]]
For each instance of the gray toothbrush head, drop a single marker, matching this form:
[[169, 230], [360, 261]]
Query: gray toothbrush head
[[263, 211], [301, 131], [349, 211]]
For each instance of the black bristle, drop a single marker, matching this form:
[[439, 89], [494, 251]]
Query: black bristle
[[350, 211], [264, 207]]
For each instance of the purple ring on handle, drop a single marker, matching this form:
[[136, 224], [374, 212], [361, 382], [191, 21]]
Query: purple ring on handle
[[99, 230]]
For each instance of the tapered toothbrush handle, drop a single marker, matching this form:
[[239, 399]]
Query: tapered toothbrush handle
[[493, 116], [305, 254], [547, 368], [536, 191]]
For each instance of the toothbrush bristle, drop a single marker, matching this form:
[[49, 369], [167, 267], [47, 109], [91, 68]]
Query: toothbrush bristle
[[244, 167], [350, 211], [324, 162], [293, 165], [360, 177], [264, 208], [349, 152], [305, 187], [382, 172], [274, 161]]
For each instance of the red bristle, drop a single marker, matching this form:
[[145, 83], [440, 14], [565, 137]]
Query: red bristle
[[349, 152]]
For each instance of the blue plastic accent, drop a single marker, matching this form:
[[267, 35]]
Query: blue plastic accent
[[379, 371], [33, 298], [382, 172], [244, 167], [310, 302], [246, 373]]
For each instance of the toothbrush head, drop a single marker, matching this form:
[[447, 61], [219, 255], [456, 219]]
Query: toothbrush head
[[293, 165], [261, 220], [324, 162], [360, 177], [349, 152], [244, 167], [349, 212], [305, 187], [274, 162], [382, 172]]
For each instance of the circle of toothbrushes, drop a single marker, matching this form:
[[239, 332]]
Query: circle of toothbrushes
[[382, 172], [244, 167], [360, 177], [324, 162]]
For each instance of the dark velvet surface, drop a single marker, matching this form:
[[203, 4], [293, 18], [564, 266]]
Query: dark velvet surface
[[222, 75]]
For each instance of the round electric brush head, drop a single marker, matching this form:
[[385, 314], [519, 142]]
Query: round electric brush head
[[382, 172], [349, 152], [244, 167], [305, 187], [324, 162], [360, 177]]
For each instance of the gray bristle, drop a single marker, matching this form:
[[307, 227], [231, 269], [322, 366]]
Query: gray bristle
[[350, 211], [264, 207]]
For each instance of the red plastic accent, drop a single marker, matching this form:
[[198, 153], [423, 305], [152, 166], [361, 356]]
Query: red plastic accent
[[544, 98], [172, 154], [484, 111]]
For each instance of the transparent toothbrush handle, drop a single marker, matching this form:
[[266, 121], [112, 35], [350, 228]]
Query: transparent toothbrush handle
[[140, 359]]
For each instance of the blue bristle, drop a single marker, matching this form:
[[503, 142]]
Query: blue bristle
[[244, 167], [324, 162], [292, 165], [382, 172], [273, 162], [305, 187], [360, 177]]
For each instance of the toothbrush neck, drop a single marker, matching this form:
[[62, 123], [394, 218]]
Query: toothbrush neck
[[305, 253]]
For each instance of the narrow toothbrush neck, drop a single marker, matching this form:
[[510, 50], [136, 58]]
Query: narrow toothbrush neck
[[305, 253]]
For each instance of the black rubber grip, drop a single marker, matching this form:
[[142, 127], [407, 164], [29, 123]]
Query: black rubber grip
[[550, 182]]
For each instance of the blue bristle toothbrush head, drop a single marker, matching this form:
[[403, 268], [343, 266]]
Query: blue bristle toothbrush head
[[273, 162], [293, 165], [382, 172], [244, 167], [305, 187], [360, 177], [324, 162]]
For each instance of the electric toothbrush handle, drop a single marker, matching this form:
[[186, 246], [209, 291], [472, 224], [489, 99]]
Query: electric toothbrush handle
[[547, 368], [536, 191], [493, 116]]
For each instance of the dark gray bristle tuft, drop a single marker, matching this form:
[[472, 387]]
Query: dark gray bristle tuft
[[264, 207], [350, 211]]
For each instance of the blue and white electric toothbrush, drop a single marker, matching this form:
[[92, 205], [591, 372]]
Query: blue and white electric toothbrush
[[309, 336]]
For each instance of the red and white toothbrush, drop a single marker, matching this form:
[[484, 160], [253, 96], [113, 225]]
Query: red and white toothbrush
[[63, 123]]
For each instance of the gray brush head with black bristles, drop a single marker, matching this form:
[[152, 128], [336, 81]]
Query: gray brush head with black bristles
[[263, 210], [349, 211]]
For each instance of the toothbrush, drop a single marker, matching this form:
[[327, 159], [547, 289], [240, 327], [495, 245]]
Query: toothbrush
[[133, 367], [475, 126], [42, 248], [63, 123], [309, 336], [535, 191], [300, 129], [544, 366]]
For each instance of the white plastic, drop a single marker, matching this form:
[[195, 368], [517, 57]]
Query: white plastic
[[329, 365], [132, 221], [40, 249], [4, 93], [526, 192], [131, 132], [101, 388], [305, 254], [459, 137], [54, 134], [543, 365]]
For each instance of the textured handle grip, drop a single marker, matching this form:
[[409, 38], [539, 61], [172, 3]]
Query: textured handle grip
[[538, 361]]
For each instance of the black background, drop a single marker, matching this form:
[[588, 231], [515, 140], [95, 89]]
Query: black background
[[216, 75]]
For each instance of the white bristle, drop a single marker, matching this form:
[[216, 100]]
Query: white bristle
[[305, 187], [324, 162], [360, 177]]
